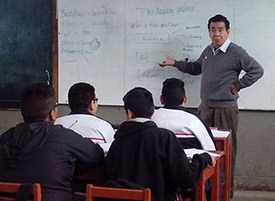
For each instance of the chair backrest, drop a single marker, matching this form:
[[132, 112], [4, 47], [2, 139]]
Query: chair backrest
[[8, 191], [117, 193]]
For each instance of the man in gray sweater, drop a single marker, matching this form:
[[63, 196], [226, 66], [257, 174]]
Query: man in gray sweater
[[220, 65]]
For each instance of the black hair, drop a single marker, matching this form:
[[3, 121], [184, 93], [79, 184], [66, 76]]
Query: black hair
[[173, 92], [37, 101], [140, 101], [219, 18], [80, 96]]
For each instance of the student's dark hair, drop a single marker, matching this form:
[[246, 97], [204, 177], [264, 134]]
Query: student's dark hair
[[219, 18], [80, 96], [140, 101], [172, 92], [37, 101]]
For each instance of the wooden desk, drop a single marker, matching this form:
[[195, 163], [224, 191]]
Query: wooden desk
[[214, 174], [95, 176], [224, 143]]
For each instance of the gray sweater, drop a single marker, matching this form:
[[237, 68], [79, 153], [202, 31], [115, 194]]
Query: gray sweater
[[220, 71]]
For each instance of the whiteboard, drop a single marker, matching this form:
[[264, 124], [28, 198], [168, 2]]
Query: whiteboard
[[116, 45]]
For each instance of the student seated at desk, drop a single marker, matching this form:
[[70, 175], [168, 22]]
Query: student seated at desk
[[188, 128], [83, 104], [37, 151], [150, 156]]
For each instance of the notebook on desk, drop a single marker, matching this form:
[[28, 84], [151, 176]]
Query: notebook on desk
[[220, 133], [191, 152]]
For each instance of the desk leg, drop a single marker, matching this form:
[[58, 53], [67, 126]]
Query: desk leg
[[227, 168], [200, 189], [214, 174], [215, 187]]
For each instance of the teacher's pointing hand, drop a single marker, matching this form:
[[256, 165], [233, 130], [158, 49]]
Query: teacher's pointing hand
[[168, 62]]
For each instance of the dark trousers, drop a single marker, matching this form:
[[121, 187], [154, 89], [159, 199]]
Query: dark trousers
[[223, 118]]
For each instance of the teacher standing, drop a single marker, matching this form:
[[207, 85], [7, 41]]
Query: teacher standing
[[220, 65]]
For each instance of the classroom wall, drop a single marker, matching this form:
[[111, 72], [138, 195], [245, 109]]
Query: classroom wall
[[255, 167]]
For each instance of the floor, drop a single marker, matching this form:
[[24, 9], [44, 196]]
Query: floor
[[254, 196]]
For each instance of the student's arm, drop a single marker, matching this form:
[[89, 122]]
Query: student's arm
[[182, 173], [83, 150], [109, 134], [206, 127], [201, 133], [210, 134]]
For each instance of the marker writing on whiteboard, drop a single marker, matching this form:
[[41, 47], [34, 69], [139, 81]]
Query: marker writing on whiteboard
[[48, 77]]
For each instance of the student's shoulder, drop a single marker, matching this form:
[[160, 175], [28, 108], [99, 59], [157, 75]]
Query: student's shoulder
[[102, 121], [63, 119], [72, 141], [192, 114], [90, 119], [185, 115], [165, 112], [149, 127], [59, 131], [7, 134], [163, 132], [167, 138]]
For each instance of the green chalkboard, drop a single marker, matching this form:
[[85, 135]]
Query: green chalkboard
[[25, 47]]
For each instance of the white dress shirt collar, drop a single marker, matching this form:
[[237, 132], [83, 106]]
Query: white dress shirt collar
[[140, 119], [222, 48]]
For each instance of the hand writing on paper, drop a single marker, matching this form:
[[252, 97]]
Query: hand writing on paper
[[168, 62]]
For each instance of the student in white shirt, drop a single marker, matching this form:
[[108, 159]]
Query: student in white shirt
[[188, 128], [83, 104]]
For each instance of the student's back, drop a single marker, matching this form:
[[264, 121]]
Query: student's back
[[48, 158], [36, 151], [150, 156], [83, 120], [88, 126], [189, 129]]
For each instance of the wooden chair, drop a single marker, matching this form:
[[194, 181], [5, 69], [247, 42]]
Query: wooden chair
[[117, 193], [8, 191]]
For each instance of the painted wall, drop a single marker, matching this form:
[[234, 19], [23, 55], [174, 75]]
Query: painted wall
[[255, 167]]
